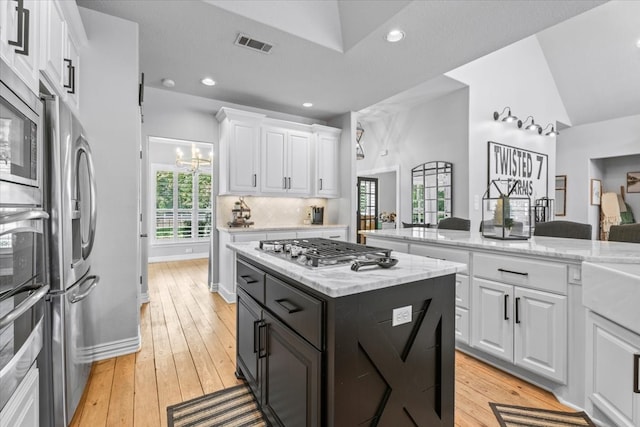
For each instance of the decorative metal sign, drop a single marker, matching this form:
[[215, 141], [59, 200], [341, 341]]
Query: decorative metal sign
[[527, 170]]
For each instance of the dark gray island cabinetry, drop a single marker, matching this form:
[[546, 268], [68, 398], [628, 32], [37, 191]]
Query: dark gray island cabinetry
[[380, 356]]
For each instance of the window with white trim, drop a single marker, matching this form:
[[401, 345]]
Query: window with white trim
[[182, 205]]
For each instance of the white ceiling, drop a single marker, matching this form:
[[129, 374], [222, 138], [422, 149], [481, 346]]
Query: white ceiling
[[333, 53]]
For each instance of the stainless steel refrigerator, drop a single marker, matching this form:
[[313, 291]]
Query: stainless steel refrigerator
[[70, 199]]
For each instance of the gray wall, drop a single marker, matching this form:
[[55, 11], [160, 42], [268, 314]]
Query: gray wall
[[436, 130], [109, 113]]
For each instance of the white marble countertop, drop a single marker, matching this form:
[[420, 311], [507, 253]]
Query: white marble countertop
[[278, 228], [340, 280], [552, 247]]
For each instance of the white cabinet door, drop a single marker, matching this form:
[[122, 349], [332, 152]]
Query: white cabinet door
[[299, 163], [53, 44], [541, 332], [22, 58], [327, 165], [492, 318], [462, 325], [243, 158], [273, 178], [23, 408], [286, 162], [612, 362]]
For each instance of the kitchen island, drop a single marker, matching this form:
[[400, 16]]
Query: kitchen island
[[335, 347], [528, 307]]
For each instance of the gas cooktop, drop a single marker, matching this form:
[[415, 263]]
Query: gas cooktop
[[318, 252]]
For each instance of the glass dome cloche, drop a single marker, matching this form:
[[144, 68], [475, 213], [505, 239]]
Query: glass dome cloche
[[505, 215]]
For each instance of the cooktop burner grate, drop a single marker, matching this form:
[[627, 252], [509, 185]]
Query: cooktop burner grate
[[315, 252]]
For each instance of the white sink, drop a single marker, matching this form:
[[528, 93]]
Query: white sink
[[613, 291]]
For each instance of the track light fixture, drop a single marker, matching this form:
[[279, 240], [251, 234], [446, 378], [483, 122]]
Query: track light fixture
[[552, 132], [507, 118], [532, 126]]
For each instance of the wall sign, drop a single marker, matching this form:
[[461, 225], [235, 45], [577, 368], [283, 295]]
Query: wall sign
[[527, 170]]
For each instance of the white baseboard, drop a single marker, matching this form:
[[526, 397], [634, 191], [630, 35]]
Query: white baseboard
[[226, 295], [180, 257], [213, 287], [144, 297], [111, 349]]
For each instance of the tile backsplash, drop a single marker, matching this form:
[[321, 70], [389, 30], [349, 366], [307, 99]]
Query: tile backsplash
[[269, 211]]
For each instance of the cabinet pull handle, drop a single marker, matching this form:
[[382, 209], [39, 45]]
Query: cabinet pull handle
[[506, 306], [518, 310], [337, 236], [22, 38], [263, 341], [255, 180], [288, 306], [72, 76], [636, 371], [502, 270], [289, 185], [247, 281], [284, 182], [256, 333], [321, 183]]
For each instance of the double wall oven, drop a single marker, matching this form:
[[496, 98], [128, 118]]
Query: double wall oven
[[24, 279]]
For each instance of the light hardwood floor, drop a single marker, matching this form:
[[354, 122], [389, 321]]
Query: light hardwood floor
[[188, 349]]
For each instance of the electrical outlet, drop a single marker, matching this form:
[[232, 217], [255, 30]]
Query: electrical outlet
[[401, 315]]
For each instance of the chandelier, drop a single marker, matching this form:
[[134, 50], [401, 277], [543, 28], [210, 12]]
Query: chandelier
[[193, 164]]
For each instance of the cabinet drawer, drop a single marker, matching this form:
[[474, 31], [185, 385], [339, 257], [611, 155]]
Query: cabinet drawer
[[298, 310], [251, 280], [462, 290], [388, 244], [530, 273], [441, 253]]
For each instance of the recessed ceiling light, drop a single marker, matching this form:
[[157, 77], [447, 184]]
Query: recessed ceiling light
[[168, 83], [208, 81], [307, 104], [394, 36]]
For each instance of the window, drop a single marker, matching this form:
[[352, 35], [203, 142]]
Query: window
[[183, 205]]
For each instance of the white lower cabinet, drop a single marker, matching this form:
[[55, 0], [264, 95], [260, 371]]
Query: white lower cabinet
[[523, 326], [613, 371], [22, 409]]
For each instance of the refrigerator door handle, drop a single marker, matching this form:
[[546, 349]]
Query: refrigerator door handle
[[24, 306], [79, 297], [82, 147]]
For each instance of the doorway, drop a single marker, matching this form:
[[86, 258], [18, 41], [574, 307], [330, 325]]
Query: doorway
[[179, 214], [367, 216]]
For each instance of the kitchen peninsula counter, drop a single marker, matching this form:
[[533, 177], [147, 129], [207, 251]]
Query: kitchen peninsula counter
[[266, 228], [544, 309], [553, 247]]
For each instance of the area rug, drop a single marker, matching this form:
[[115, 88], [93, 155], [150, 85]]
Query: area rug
[[520, 416], [231, 407]]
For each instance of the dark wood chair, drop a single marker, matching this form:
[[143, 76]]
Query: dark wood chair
[[567, 229], [454, 223], [625, 233]]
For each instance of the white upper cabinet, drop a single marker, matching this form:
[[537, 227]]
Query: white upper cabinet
[[61, 40], [327, 168], [239, 152], [263, 156], [19, 39], [286, 161]]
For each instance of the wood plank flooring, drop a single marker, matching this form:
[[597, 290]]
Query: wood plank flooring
[[188, 349]]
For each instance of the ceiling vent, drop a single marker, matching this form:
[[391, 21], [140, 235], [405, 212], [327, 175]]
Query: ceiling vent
[[251, 43]]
